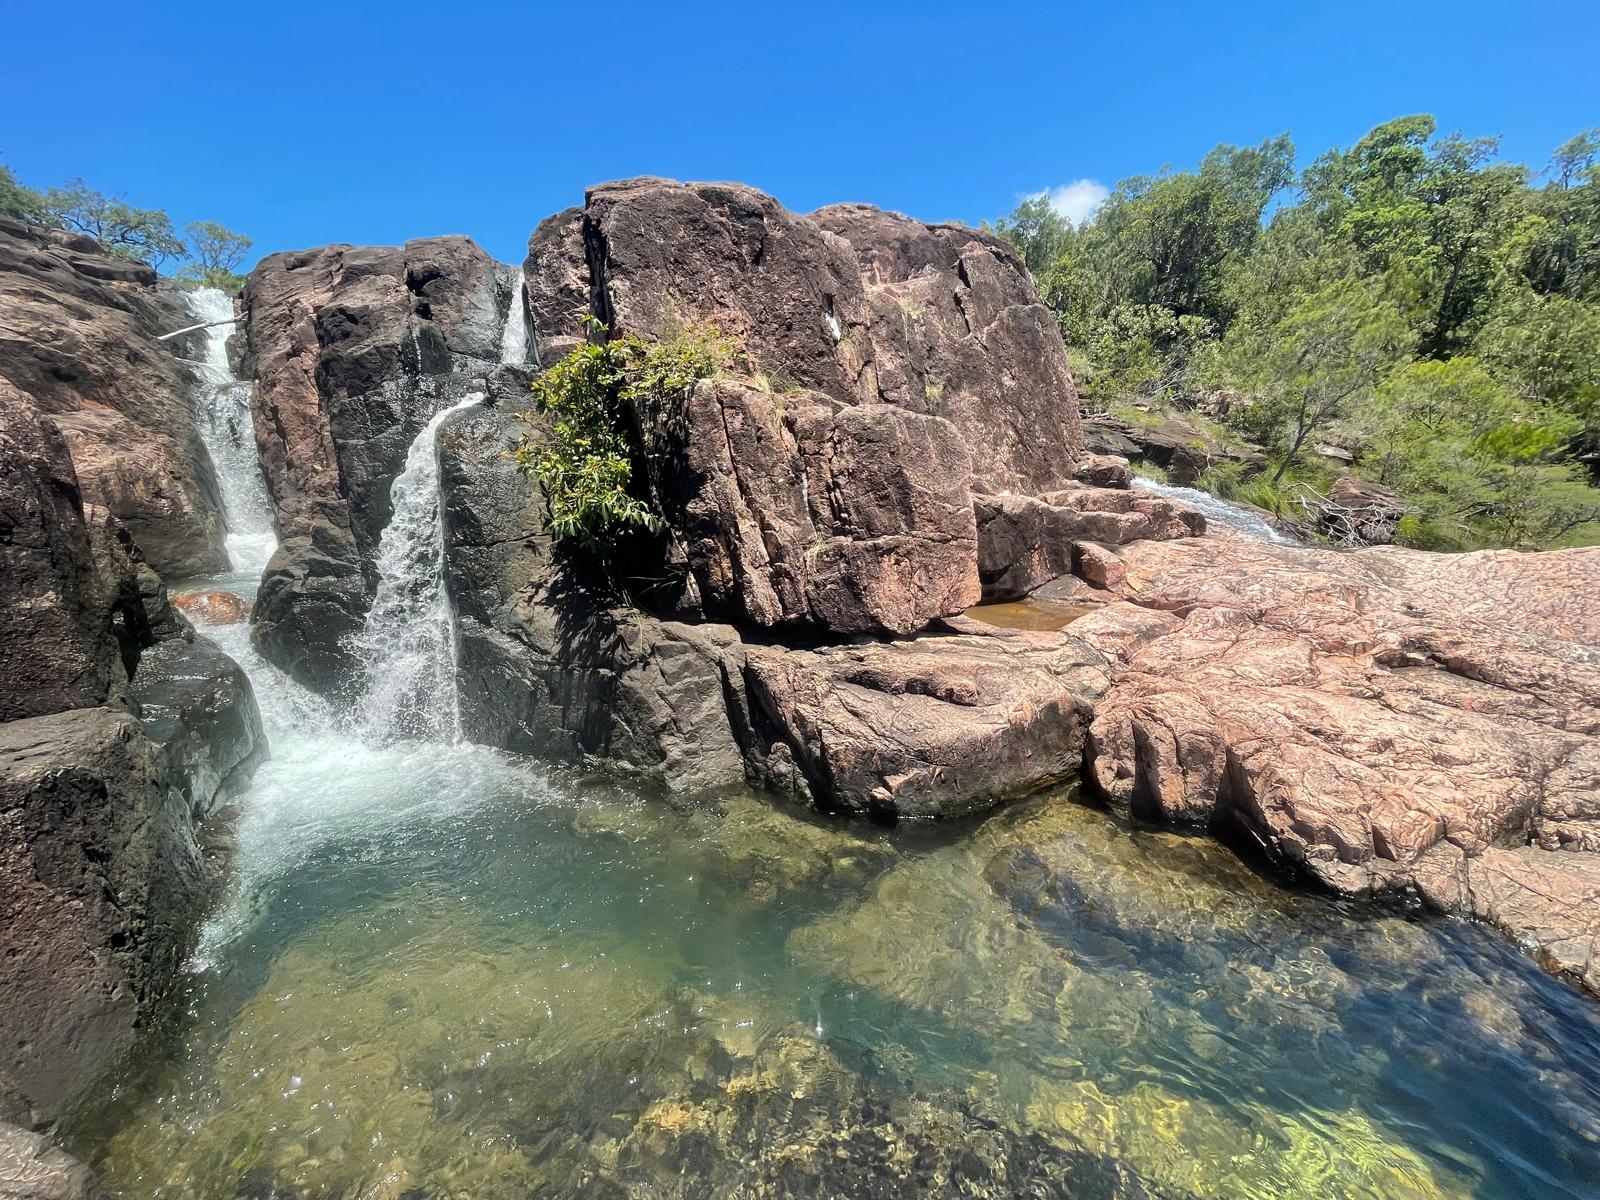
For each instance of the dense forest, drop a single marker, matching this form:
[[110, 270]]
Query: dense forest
[[1412, 309], [206, 254]]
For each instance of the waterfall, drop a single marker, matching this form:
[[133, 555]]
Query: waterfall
[[514, 337], [1220, 511], [407, 648], [229, 435]]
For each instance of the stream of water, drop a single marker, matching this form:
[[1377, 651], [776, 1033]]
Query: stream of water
[[1246, 521], [445, 972]]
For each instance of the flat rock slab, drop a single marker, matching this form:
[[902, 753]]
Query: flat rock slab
[[1380, 719], [937, 726]]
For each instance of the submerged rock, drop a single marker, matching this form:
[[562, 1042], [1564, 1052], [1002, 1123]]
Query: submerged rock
[[212, 608], [32, 1169]]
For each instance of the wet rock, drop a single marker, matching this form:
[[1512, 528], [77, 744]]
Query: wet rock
[[33, 1169], [1026, 541], [103, 880], [212, 608], [547, 661], [1371, 718], [794, 510], [937, 726], [78, 336], [196, 704], [353, 350]]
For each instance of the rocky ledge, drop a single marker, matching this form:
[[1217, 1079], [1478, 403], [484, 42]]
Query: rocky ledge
[[122, 733], [1382, 719]]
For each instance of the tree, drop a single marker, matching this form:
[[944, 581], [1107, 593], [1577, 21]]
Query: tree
[[137, 234], [19, 202], [1317, 364], [1037, 230], [215, 252]]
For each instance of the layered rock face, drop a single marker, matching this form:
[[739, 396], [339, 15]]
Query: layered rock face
[[77, 335], [1380, 719], [353, 349], [121, 732], [886, 371], [863, 306]]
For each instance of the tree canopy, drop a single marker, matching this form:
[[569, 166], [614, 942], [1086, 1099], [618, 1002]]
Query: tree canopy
[[209, 253], [1414, 299]]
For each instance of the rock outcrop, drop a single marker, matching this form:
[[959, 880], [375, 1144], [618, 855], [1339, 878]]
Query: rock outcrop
[[78, 335], [945, 724], [863, 306], [1382, 719], [353, 349], [121, 732], [31, 1168]]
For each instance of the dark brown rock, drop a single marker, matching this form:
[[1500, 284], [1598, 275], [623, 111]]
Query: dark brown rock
[[56, 645], [863, 306], [78, 336], [795, 510], [940, 725], [353, 349], [547, 662], [103, 881]]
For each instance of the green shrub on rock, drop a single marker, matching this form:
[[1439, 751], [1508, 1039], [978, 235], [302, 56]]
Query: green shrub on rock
[[584, 458]]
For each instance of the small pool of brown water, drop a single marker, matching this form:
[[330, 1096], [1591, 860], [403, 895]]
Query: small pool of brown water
[[1030, 613]]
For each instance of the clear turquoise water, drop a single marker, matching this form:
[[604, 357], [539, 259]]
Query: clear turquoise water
[[478, 979]]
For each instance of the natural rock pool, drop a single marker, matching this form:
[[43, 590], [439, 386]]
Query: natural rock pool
[[443, 973]]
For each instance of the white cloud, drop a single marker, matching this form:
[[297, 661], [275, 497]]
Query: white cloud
[[1078, 200]]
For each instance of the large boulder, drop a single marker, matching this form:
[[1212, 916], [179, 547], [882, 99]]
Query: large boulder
[[353, 349], [795, 510], [1382, 719], [547, 661], [940, 725], [104, 878], [78, 335], [885, 371], [1026, 541], [57, 650]]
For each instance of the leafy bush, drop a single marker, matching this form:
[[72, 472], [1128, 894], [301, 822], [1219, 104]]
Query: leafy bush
[[585, 462]]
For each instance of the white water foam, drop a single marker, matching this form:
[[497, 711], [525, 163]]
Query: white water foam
[[407, 646], [1220, 511], [514, 337], [229, 435]]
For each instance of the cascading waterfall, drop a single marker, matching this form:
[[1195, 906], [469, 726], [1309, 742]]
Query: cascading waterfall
[[229, 437], [407, 646], [1220, 511], [514, 337]]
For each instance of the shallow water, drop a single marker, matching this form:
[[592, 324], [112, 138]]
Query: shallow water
[[1033, 612], [441, 972], [475, 978]]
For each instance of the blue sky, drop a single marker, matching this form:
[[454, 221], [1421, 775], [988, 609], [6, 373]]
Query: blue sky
[[301, 124]]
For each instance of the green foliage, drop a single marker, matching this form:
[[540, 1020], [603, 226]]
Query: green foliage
[[146, 235], [1343, 313], [19, 202], [138, 234], [215, 252], [585, 463]]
